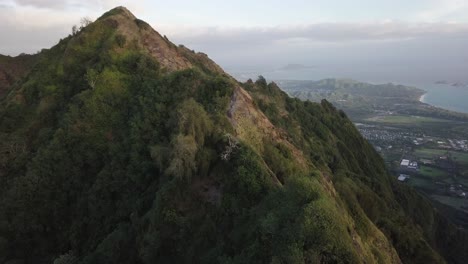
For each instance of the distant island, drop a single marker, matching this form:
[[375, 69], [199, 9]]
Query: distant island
[[452, 83]]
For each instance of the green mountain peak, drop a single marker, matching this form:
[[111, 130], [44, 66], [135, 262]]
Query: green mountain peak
[[118, 146], [120, 10]]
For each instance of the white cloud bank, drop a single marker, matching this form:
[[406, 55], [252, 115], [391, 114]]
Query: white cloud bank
[[30, 25], [321, 32]]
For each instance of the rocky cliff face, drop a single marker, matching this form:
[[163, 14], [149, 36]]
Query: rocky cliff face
[[168, 55]]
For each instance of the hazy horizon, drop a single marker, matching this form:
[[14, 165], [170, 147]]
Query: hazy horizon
[[379, 41]]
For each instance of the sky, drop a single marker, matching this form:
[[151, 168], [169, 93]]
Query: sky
[[375, 40]]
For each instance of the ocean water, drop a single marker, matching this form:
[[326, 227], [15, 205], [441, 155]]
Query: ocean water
[[441, 95], [447, 97]]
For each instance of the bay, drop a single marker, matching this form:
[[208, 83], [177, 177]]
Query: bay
[[443, 95], [446, 96]]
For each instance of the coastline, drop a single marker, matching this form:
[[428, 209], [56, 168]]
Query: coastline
[[422, 97]]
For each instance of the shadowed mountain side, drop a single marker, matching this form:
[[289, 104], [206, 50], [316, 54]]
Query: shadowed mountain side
[[12, 69]]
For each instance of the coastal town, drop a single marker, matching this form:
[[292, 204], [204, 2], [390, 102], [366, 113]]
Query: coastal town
[[436, 166], [386, 137]]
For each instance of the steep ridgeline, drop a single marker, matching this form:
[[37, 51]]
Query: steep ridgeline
[[12, 69], [120, 147]]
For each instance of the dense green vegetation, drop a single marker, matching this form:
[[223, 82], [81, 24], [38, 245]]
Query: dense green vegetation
[[400, 127], [359, 176], [108, 157], [12, 69]]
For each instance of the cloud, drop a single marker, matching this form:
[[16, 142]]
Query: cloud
[[390, 47], [332, 33], [66, 4], [29, 40], [442, 9], [352, 48], [35, 24], [42, 3]]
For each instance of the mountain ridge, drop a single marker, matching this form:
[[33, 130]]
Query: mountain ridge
[[159, 47], [121, 147], [12, 69]]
